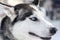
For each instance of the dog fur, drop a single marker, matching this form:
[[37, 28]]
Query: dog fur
[[28, 22]]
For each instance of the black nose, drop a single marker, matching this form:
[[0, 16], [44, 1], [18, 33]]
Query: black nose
[[53, 31]]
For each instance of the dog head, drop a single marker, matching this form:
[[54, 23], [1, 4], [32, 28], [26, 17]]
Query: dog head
[[29, 24]]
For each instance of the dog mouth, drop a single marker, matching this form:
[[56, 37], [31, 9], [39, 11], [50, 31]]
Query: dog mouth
[[44, 38]]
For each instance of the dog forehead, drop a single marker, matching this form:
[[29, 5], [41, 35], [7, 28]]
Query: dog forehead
[[26, 9], [22, 6]]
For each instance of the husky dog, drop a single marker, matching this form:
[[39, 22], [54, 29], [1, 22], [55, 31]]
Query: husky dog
[[28, 24]]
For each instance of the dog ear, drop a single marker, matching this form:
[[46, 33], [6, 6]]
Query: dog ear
[[35, 2], [5, 32]]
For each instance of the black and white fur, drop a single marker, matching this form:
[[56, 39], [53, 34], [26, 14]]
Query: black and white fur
[[28, 24]]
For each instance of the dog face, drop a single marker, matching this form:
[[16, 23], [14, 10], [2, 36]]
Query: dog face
[[29, 24]]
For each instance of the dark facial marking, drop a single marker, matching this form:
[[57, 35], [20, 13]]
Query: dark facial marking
[[22, 6], [19, 6], [26, 12], [5, 31], [22, 17], [4, 24]]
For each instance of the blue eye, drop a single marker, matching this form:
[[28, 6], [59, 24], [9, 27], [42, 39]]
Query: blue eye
[[33, 19]]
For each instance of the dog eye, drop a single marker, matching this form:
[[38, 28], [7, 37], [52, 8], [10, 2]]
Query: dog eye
[[33, 19]]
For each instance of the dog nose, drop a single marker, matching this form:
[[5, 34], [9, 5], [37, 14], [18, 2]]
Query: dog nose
[[53, 31]]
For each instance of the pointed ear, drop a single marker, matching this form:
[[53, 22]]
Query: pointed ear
[[35, 2]]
